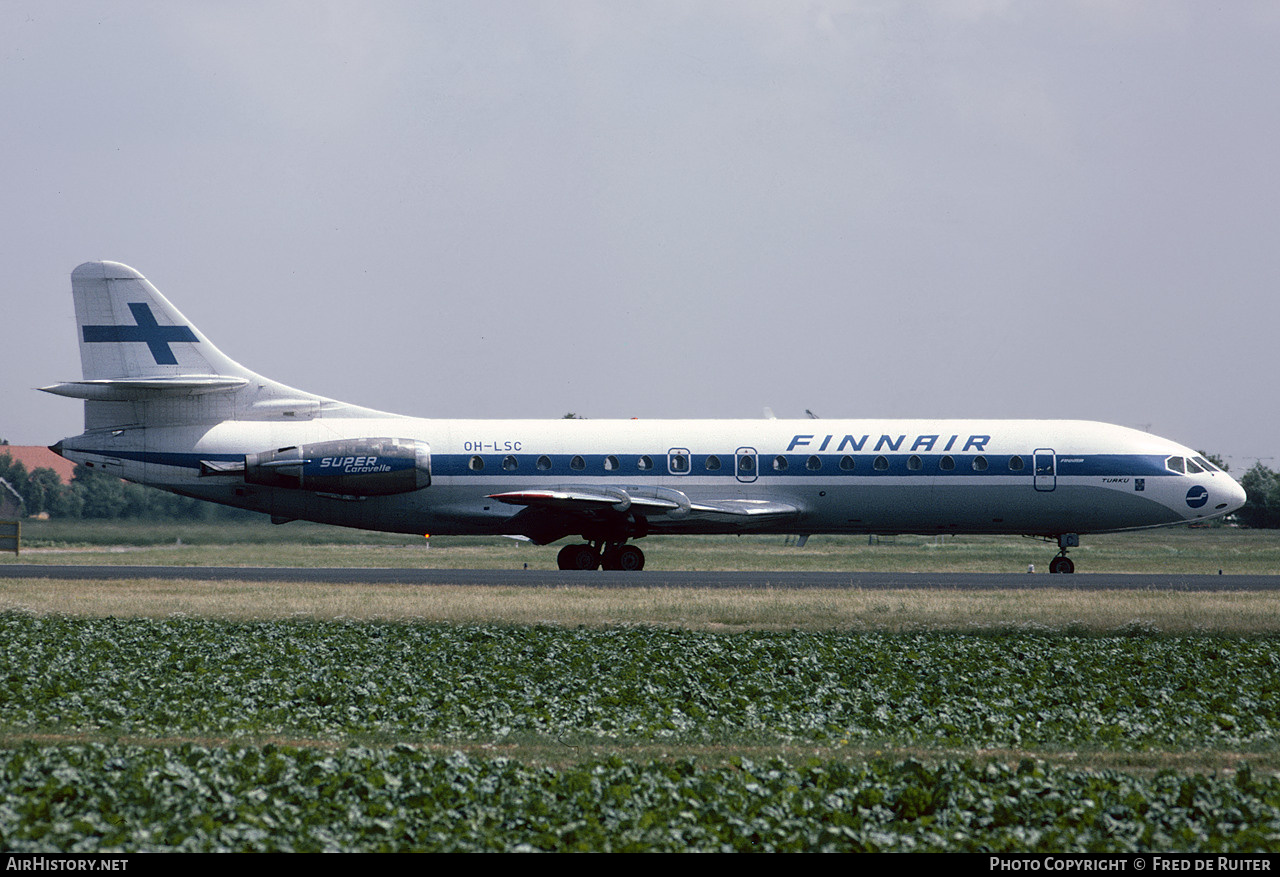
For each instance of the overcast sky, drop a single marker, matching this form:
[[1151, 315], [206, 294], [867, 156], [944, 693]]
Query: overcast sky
[[681, 209]]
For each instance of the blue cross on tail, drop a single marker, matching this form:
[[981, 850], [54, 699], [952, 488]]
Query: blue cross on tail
[[148, 331]]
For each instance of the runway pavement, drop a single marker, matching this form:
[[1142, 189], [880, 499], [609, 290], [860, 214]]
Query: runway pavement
[[652, 578]]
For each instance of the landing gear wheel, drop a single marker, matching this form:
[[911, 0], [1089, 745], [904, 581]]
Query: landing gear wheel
[[578, 557], [1062, 563], [624, 557]]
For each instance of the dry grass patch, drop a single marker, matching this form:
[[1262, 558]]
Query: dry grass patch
[[1236, 613]]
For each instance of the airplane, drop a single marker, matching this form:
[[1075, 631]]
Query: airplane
[[165, 407]]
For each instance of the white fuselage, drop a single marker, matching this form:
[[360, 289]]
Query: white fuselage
[[863, 476]]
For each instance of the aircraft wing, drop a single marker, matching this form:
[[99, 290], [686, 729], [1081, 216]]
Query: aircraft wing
[[587, 501], [559, 511], [746, 508]]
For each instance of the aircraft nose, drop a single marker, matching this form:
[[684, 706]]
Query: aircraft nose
[[1236, 496], [1227, 497]]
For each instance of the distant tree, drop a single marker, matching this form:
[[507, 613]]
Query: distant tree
[[102, 495], [15, 473], [1262, 506], [66, 503], [44, 491], [572, 416], [41, 489]]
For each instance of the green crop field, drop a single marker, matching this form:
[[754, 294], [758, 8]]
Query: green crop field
[[154, 715]]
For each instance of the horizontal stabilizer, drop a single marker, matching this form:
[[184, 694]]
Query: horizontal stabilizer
[[136, 389]]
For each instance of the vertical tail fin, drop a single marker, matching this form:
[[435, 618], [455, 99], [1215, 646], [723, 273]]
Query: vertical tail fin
[[128, 330], [145, 364]]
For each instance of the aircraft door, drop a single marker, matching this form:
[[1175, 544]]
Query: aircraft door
[[1045, 468], [744, 464]]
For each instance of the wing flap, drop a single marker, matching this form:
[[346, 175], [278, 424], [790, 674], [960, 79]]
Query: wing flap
[[667, 501], [745, 508], [586, 500]]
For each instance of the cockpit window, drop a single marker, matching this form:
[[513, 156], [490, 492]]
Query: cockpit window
[[1176, 464], [1207, 465], [1194, 468]]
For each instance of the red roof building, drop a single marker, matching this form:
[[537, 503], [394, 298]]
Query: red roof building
[[37, 457]]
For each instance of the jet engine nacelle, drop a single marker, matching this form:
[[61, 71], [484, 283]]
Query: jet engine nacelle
[[349, 467]]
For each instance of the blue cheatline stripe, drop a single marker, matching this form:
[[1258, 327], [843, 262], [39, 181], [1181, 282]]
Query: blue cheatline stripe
[[1098, 465], [797, 465], [182, 461]]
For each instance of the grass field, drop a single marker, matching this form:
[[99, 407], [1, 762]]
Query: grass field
[[1175, 550], [150, 714]]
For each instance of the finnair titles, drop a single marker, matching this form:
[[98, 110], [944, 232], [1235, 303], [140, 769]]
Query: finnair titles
[[164, 406], [921, 443]]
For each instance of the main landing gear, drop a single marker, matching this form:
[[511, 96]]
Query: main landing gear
[[1062, 563], [600, 555]]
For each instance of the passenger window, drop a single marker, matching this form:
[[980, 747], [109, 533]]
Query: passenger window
[[678, 461], [713, 463], [645, 463], [846, 463], [881, 464], [509, 463], [947, 463], [577, 463], [476, 464], [813, 464], [746, 463], [1175, 464], [979, 464], [544, 463], [1016, 464], [780, 463], [610, 463], [914, 463]]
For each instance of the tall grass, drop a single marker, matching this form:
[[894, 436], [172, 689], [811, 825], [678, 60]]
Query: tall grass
[[1172, 551]]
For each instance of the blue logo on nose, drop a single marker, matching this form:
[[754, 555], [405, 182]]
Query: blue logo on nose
[[1197, 496], [148, 331]]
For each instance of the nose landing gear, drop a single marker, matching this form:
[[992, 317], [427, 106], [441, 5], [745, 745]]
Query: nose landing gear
[[1062, 563]]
